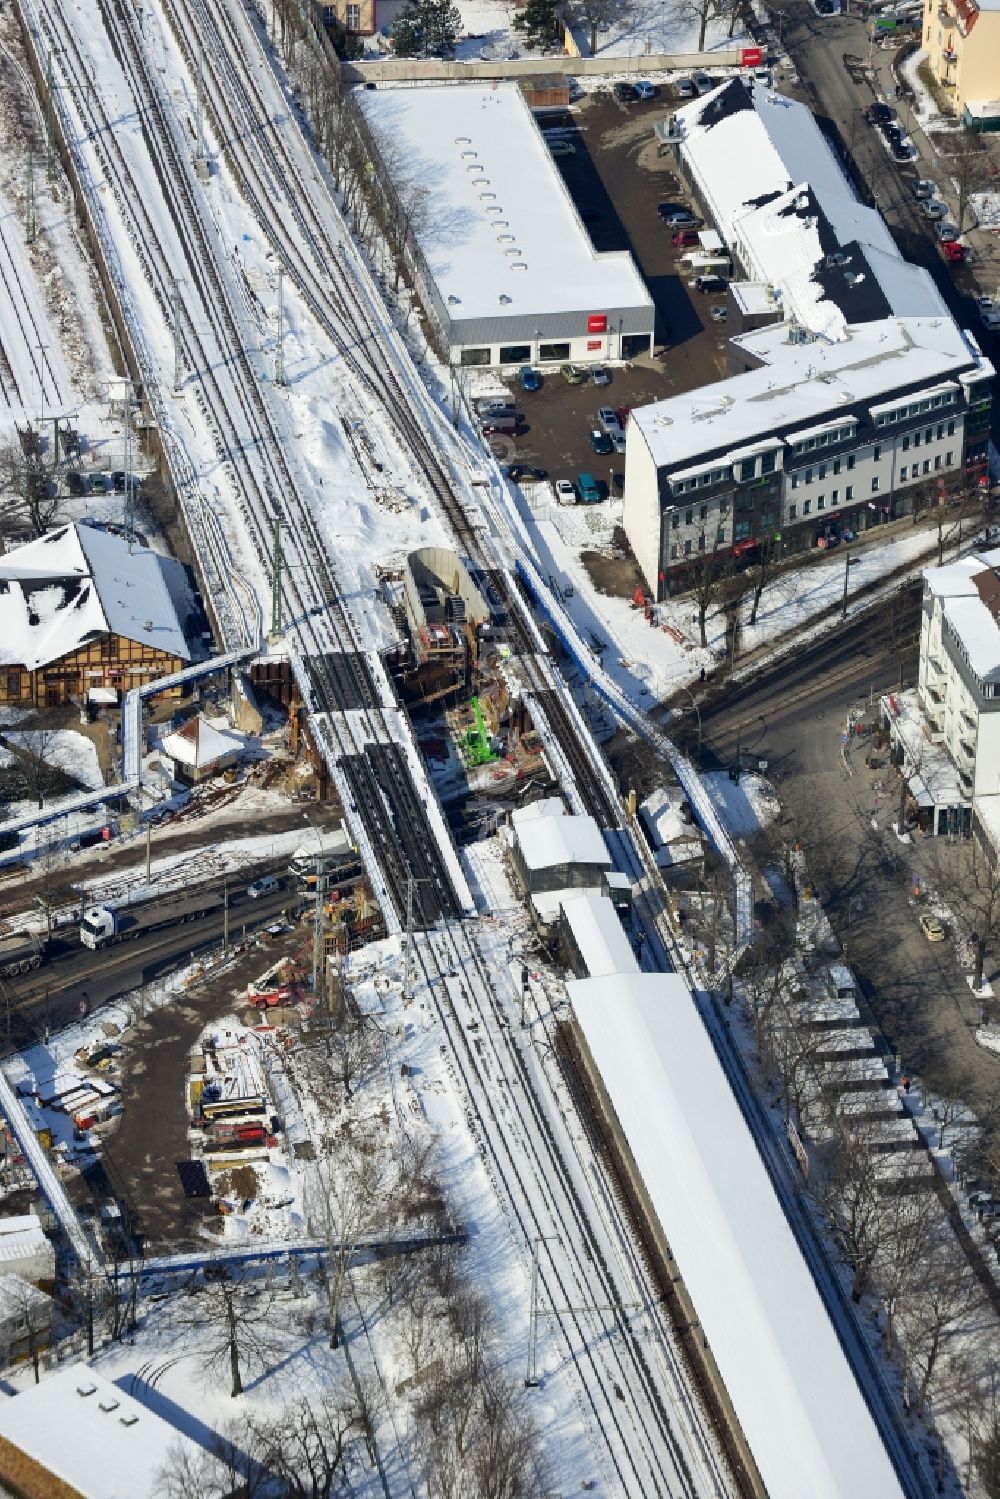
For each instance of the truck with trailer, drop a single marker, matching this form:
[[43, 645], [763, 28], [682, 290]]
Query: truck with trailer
[[20, 952], [103, 925]]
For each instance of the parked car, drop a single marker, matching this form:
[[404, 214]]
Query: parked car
[[924, 188], [681, 218], [607, 419], [710, 285], [684, 88], [588, 489], [985, 304], [933, 208], [878, 114], [826, 8], [591, 215], [266, 885], [666, 209], [991, 321], [685, 239], [946, 232], [931, 927], [901, 150], [76, 483], [953, 252], [718, 314], [601, 443], [565, 492], [529, 378], [626, 93], [618, 438], [645, 89], [562, 148], [704, 82], [519, 471], [573, 374], [600, 374]]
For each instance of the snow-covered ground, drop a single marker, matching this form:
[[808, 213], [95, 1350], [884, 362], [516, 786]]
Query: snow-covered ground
[[652, 660]]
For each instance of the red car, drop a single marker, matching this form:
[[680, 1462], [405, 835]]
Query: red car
[[953, 251]]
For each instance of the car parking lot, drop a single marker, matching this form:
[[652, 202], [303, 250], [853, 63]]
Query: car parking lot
[[616, 180]]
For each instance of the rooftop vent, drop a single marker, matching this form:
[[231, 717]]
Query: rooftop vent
[[466, 155], [505, 239], [519, 265], [86, 1389], [463, 140], [453, 301], [108, 1406], [488, 197], [129, 1420], [513, 250], [504, 299], [493, 209]]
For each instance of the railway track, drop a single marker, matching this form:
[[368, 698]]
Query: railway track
[[46, 390], [330, 657], [632, 1386]]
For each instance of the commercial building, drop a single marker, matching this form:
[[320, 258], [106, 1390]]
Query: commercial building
[[946, 734], [962, 41], [82, 612], [852, 395], [504, 265]]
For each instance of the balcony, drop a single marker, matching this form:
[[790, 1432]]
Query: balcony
[[968, 748], [968, 720]]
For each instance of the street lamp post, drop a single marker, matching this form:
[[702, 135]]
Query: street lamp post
[[694, 704], [849, 562]]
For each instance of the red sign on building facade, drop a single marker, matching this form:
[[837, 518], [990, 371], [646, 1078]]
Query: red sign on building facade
[[597, 322]]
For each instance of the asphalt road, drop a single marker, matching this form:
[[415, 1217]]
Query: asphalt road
[[52, 995], [793, 718]]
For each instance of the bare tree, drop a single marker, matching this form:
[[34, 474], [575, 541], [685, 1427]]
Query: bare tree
[[29, 497], [846, 1189], [597, 13], [969, 882], [768, 552], [29, 1312], [313, 1443], [947, 1295], [33, 748], [348, 1198], [709, 577], [765, 977], [970, 165], [910, 1223], [233, 1319], [240, 1460], [899, 627]]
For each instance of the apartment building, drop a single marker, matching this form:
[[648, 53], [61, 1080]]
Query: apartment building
[[962, 41], [852, 396], [946, 731]]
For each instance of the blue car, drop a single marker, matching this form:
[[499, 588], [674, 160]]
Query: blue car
[[530, 379], [645, 89]]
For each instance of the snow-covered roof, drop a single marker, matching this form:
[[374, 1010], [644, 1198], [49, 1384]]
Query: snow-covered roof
[[562, 839], [545, 806], [86, 1431], [962, 588], [78, 583], [198, 743], [599, 935], [498, 229], [22, 1239], [801, 384], [793, 1390], [780, 197]]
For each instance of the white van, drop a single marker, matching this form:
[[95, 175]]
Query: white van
[[266, 885]]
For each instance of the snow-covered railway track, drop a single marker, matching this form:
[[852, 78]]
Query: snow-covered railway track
[[32, 357], [249, 441], [651, 1431]]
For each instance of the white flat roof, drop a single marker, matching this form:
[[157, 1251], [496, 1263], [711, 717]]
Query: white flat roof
[[599, 934], [801, 383], [791, 1386], [104, 1444], [546, 841], [495, 202]]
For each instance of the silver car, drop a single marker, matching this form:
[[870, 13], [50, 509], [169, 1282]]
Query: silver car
[[933, 208]]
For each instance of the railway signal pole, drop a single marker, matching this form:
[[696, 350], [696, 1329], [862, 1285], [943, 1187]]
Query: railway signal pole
[[50, 114], [319, 957], [201, 160], [531, 1377]]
